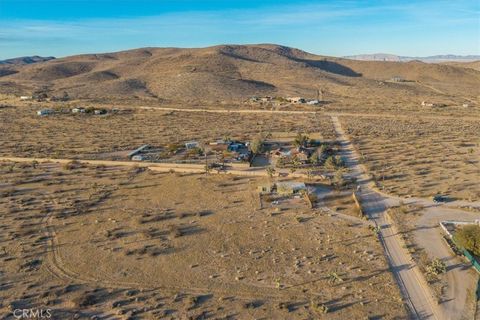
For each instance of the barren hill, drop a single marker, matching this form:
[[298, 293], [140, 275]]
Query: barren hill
[[472, 64], [231, 73]]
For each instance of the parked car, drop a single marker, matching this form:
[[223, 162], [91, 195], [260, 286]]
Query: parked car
[[439, 198]]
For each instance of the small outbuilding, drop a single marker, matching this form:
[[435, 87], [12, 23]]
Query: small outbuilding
[[313, 102], [297, 100], [100, 111], [192, 145], [78, 110], [44, 112], [289, 188], [137, 157]]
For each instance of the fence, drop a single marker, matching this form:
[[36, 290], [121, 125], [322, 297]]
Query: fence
[[471, 258], [451, 239]]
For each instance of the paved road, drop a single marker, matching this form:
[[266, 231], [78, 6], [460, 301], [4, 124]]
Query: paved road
[[412, 284]]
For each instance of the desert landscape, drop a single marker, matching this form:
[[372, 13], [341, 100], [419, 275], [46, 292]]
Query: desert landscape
[[237, 182]]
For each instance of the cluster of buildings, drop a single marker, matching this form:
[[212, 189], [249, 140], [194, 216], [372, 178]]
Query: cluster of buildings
[[228, 151], [279, 100], [46, 112], [303, 154], [239, 150]]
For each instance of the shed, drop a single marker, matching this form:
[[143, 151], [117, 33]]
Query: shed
[[192, 145], [137, 157], [44, 112]]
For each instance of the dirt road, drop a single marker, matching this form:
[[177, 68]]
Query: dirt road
[[413, 286], [319, 112]]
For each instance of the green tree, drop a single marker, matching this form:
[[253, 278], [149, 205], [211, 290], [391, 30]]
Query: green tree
[[300, 140], [330, 163], [468, 237], [257, 145]]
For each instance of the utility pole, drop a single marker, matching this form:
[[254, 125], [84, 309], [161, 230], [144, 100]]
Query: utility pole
[[205, 143]]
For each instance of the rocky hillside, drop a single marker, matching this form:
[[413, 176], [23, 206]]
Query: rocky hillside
[[229, 73]]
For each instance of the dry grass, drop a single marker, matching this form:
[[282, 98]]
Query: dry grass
[[183, 246], [88, 136], [420, 157]]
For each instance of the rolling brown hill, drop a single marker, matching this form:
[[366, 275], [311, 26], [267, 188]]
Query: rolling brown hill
[[472, 64], [233, 73]]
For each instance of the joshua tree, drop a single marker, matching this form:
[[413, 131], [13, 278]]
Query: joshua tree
[[334, 277], [270, 172]]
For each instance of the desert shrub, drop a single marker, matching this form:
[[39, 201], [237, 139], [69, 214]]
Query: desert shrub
[[175, 231], [85, 300], [334, 162], [71, 165], [318, 307], [436, 267], [468, 237]]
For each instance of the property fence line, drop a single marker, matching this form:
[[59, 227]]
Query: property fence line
[[470, 257]]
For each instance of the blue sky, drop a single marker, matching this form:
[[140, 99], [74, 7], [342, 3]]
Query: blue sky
[[414, 28]]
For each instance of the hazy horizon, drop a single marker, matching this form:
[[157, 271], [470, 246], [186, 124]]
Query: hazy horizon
[[234, 44]]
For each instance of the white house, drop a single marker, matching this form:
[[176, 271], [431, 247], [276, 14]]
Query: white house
[[313, 102], [78, 110], [25, 98]]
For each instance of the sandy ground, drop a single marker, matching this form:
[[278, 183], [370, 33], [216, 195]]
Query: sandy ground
[[420, 157], [126, 242], [83, 136]]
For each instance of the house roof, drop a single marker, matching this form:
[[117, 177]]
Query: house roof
[[291, 185]]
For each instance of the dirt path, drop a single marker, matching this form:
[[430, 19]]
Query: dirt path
[[440, 91], [162, 167], [412, 284], [321, 112]]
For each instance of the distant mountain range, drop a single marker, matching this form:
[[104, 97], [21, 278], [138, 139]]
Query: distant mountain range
[[363, 57], [429, 59], [25, 60]]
